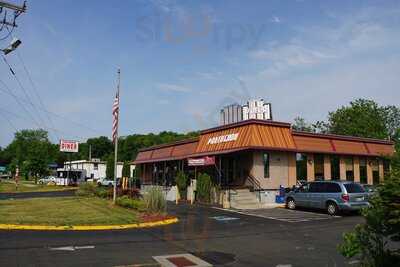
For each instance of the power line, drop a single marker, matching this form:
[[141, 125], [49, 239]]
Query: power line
[[35, 90], [80, 138], [18, 102], [8, 120], [25, 92], [54, 114]]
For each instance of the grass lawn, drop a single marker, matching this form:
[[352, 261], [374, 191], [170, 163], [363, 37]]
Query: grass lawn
[[8, 186], [64, 211]]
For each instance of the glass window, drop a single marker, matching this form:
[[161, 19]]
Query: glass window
[[96, 166], [266, 164], [316, 187], [319, 166], [354, 188], [335, 167], [386, 167], [304, 188], [375, 170], [349, 168], [301, 166], [363, 170], [333, 188]]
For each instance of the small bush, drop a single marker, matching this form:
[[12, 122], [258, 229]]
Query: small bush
[[181, 183], [204, 186], [86, 190], [101, 192], [155, 201], [129, 203]]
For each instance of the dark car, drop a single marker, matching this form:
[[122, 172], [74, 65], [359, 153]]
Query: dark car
[[334, 196]]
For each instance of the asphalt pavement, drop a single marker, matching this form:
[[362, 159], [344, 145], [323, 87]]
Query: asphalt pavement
[[216, 236]]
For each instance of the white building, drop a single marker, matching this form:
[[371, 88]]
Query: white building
[[91, 169]]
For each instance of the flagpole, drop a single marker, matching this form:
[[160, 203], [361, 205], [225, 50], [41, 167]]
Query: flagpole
[[116, 147]]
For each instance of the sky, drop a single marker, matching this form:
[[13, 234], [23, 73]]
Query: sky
[[181, 61]]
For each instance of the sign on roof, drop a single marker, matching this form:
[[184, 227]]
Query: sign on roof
[[69, 146]]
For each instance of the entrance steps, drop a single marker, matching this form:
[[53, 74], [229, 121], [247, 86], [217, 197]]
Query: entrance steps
[[244, 199]]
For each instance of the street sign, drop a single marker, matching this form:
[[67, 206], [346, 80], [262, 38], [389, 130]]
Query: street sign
[[69, 146]]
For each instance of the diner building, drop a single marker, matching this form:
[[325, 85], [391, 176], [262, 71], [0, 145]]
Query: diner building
[[264, 155]]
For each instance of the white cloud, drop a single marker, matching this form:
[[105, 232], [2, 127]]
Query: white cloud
[[276, 19], [173, 87]]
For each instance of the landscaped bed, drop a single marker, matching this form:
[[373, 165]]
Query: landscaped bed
[[8, 186]]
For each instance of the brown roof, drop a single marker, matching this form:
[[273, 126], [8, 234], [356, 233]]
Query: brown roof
[[268, 135], [173, 151]]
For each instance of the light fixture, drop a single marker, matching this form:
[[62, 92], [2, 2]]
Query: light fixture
[[14, 44]]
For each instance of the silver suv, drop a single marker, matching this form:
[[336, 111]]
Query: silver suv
[[334, 196]]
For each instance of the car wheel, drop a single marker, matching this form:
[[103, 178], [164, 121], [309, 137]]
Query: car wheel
[[331, 208], [98, 184], [110, 184], [291, 204]]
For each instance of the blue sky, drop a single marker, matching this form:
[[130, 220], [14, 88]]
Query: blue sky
[[181, 61]]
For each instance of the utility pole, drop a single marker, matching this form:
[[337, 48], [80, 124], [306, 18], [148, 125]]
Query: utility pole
[[18, 10]]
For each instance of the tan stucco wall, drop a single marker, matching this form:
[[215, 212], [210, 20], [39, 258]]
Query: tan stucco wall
[[327, 167], [279, 169]]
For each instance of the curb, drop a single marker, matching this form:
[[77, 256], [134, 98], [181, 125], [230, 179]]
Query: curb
[[87, 227]]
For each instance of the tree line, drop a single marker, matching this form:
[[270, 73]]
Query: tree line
[[33, 152]]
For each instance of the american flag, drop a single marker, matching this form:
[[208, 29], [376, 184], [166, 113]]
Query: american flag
[[115, 113]]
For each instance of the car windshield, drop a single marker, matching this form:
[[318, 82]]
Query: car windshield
[[354, 188]]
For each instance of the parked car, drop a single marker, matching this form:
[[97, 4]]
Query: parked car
[[47, 180], [334, 196], [107, 182]]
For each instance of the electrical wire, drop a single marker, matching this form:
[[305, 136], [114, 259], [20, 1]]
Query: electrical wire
[[79, 138], [51, 113], [8, 91], [25, 93], [9, 122], [36, 91]]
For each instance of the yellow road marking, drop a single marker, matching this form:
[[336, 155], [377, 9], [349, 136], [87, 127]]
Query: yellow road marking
[[86, 227]]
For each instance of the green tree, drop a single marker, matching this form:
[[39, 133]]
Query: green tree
[[32, 151], [373, 242], [110, 166], [363, 118], [300, 124], [126, 170]]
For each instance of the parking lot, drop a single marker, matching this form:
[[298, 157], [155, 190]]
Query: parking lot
[[285, 215]]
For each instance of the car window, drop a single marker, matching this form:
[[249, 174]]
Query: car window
[[333, 188], [304, 188], [354, 188], [316, 187]]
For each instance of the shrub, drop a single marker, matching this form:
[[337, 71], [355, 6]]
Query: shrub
[[375, 240], [181, 183], [130, 203], [101, 192], [155, 201], [86, 190], [203, 188]]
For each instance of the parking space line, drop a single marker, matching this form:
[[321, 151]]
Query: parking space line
[[302, 216]]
